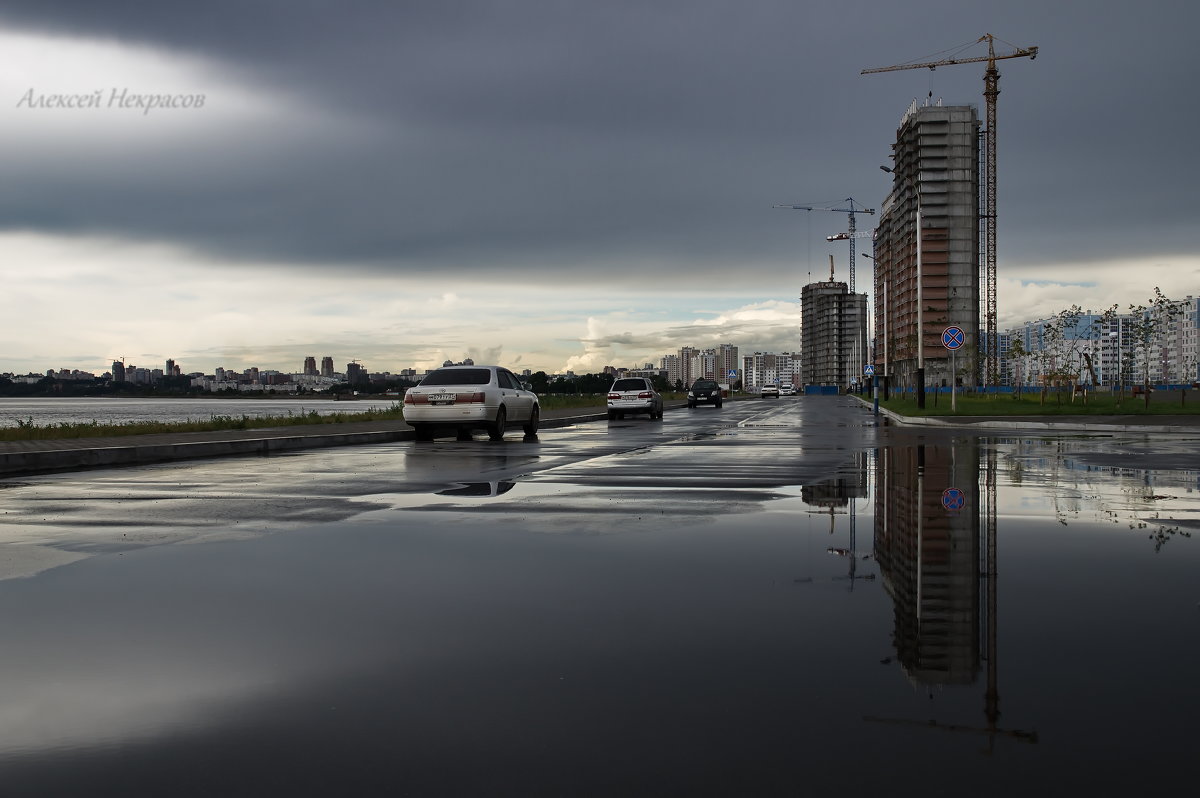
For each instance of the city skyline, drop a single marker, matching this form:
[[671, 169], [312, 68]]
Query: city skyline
[[554, 186]]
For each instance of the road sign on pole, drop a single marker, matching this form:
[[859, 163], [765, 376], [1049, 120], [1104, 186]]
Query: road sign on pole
[[953, 338], [731, 375], [953, 499], [869, 370]]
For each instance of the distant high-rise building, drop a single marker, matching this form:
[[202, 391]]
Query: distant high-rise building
[[310, 366], [686, 353], [834, 329], [727, 361], [118, 371], [670, 364], [769, 368], [356, 374], [169, 369], [327, 366]]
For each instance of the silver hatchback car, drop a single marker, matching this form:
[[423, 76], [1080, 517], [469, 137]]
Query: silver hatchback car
[[634, 395]]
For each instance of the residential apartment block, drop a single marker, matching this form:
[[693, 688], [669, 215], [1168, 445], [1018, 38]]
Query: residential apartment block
[[934, 275]]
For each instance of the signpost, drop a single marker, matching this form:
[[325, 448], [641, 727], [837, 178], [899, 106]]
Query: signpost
[[953, 338], [869, 371]]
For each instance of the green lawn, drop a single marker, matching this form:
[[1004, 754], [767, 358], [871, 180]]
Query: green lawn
[[1054, 404]]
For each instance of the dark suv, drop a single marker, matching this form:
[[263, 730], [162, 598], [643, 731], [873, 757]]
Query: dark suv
[[704, 392]]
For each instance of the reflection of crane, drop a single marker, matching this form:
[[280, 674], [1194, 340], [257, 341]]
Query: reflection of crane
[[991, 90], [850, 226]]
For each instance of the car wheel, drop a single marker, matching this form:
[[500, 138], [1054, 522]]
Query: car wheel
[[691, 405], [497, 427], [612, 415], [531, 427], [423, 432], [718, 404], [620, 416]]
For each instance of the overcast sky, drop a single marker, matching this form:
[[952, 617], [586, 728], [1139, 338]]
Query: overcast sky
[[546, 184]]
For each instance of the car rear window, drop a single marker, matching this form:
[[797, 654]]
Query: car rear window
[[458, 377], [629, 385], [702, 385]]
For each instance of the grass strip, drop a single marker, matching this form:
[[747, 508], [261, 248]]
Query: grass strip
[[1054, 404], [29, 430]]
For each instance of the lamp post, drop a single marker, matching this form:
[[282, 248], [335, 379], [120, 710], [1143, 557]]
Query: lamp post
[[887, 373], [920, 325]]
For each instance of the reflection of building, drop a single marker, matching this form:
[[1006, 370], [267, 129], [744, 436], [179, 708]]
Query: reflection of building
[[838, 492], [929, 557]]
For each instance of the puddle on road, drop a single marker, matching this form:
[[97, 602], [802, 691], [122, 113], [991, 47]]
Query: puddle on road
[[999, 606]]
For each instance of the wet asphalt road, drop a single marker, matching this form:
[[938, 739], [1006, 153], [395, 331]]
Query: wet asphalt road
[[767, 599]]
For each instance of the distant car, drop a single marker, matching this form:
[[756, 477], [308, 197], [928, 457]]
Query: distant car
[[704, 392], [769, 390], [467, 398], [634, 395], [787, 389]]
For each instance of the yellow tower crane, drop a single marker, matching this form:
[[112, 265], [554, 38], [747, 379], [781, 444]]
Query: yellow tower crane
[[991, 90]]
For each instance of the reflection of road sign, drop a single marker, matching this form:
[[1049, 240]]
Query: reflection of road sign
[[731, 374], [953, 499], [953, 337], [869, 370]]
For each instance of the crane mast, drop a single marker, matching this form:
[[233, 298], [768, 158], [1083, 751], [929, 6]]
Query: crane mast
[[991, 90]]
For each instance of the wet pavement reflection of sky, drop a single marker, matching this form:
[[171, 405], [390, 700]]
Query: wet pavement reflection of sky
[[567, 628]]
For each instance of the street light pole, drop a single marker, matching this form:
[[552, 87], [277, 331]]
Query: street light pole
[[887, 372], [920, 320]]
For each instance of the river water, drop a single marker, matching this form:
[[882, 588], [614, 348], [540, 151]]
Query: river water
[[111, 410]]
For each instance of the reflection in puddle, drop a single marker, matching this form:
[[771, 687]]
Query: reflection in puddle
[[742, 620], [480, 489]]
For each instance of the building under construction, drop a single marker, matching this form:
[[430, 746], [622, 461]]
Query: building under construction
[[833, 334], [932, 281]]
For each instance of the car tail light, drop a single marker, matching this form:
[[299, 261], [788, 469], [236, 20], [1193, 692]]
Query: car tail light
[[644, 395], [470, 397], [614, 396], [415, 399]]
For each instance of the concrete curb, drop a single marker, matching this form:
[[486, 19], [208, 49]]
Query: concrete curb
[[75, 457]]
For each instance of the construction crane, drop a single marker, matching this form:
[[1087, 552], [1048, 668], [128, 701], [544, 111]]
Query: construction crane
[[850, 225], [991, 90]]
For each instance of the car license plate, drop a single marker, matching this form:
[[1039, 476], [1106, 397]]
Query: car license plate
[[442, 397]]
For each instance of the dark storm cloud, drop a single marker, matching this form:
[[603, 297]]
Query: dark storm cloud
[[625, 140]]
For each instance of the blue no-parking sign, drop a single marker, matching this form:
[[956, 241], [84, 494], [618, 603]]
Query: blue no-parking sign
[[953, 499], [953, 337]]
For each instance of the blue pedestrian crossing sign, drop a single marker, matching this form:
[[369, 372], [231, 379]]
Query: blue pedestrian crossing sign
[[869, 370], [953, 499], [731, 375], [953, 337]]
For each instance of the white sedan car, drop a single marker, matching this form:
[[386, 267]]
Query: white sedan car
[[466, 398]]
